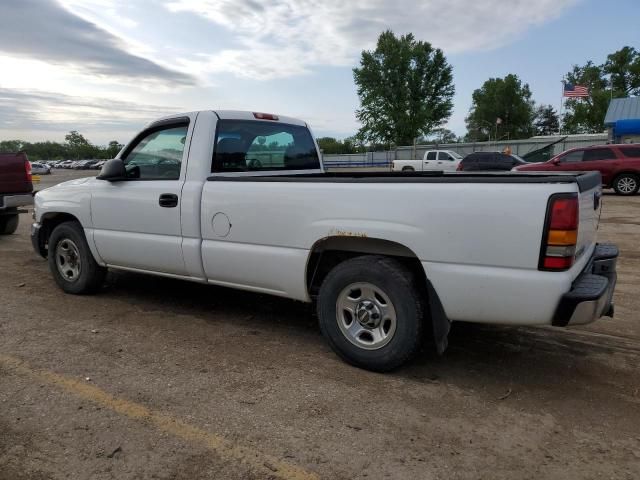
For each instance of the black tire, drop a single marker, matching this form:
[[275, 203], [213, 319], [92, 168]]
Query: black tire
[[398, 284], [626, 184], [9, 224], [90, 275], [408, 169]]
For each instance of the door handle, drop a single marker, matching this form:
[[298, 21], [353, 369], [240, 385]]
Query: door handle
[[168, 200]]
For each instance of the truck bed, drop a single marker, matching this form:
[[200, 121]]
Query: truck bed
[[584, 180]]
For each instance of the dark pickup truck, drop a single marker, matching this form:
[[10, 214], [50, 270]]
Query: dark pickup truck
[[16, 189]]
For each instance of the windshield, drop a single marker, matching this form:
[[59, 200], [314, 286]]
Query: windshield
[[455, 155]]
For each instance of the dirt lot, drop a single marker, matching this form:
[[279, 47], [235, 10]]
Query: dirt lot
[[155, 378]]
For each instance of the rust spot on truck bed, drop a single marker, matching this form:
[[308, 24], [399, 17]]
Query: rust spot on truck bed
[[335, 232]]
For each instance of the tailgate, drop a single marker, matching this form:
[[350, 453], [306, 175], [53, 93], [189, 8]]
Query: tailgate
[[13, 175], [590, 198]]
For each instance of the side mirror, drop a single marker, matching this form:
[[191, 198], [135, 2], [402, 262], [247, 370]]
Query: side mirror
[[556, 161], [113, 170]]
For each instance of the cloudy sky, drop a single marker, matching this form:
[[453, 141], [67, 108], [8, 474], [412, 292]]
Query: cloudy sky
[[107, 67]]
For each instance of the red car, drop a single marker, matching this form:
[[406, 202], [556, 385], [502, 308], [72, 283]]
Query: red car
[[619, 165]]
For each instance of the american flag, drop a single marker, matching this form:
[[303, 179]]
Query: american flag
[[571, 90]]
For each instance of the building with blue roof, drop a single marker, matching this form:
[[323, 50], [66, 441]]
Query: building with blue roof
[[623, 120]]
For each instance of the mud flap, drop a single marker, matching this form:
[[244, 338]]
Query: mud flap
[[439, 321]]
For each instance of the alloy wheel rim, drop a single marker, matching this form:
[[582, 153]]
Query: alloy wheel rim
[[627, 184], [366, 316]]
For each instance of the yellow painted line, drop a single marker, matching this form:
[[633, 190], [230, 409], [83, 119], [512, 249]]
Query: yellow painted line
[[253, 459]]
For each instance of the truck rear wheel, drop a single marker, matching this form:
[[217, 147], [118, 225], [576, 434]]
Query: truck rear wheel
[[408, 169], [9, 224], [626, 184], [71, 262], [371, 313]]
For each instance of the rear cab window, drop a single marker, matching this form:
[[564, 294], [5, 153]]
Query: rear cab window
[[261, 146], [431, 155]]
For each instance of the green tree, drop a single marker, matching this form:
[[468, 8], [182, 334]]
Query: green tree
[[586, 115], [113, 149], [546, 121], [76, 146], [502, 107], [11, 146], [439, 135], [405, 88], [623, 68], [332, 146], [329, 145]]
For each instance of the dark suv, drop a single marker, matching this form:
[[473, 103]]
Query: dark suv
[[619, 165], [489, 162]]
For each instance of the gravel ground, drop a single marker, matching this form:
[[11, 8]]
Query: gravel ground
[[155, 378]]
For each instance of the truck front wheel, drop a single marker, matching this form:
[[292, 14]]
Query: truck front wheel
[[71, 262], [371, 313], [9, 224]]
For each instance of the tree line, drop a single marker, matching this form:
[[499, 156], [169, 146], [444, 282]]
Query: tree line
[[405, 87], [76, 147]]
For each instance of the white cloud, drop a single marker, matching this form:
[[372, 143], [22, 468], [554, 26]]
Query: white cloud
[[34, 114], [57, 36], [280, 38]]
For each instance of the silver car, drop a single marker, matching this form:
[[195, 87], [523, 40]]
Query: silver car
[[40, 168]]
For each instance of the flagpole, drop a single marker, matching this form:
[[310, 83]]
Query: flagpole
[[561, 106]]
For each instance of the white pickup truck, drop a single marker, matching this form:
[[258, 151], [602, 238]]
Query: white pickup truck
[[433, 160], [241, 200]]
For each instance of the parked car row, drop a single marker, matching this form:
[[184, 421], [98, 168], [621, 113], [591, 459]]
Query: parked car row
[[75, 164], [450, 161], [619, 165]]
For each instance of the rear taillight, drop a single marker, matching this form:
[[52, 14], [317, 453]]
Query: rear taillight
[[558, 250], [460, 168], [27, 170]]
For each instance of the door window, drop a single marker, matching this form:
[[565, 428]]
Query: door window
[[598, 154], [630, 152], [431, 155], [573, 157], [157, 155], [444, 156]]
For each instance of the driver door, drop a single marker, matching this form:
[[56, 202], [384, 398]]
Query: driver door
[[137, 220], [429, 162]]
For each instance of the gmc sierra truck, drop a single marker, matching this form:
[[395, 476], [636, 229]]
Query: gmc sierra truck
[[241, 199], [16, 189]]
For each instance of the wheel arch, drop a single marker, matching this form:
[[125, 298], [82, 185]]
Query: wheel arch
[[49, 221], [635, 173], [331, 251]]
